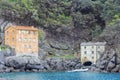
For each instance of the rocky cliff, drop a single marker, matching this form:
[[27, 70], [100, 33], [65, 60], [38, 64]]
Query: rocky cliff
[[109, 62], [66, 23]]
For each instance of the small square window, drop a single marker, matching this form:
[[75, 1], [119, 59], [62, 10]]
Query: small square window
[[20, 39], [30, 46], [85, 52], [34, 40], [29, 39], [85, 47], [20, 31], [85, 57], [98, 47], [12, 39], [25, 46], [34, 33], [92, 52], [25, 39], [29, 32], [92, 46]]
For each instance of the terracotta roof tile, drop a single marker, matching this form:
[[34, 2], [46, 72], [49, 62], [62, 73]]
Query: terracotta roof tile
[[26, 27]]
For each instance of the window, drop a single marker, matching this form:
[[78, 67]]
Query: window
[[20, 39], [93, 57], [30, 46], [25, 46], [19, 31], [85, 57], [34, 33], [92, 46], [34, 40], [12, 31], [85, 47], [85, 52], [29, 39], [12, 39], [98, 46], [13, 46], [92, 52], [25, 39], [25, 32], [29, 32]]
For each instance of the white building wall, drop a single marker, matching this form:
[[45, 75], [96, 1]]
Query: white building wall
[[91, 52]]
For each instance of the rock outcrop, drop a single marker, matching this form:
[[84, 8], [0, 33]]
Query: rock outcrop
[[109, 62], [34, 64]]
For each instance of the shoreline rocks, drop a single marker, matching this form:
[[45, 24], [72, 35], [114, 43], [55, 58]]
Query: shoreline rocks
[[34, 64], [109, 62]]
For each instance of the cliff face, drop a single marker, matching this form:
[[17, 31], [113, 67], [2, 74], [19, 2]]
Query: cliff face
[[67, 23]]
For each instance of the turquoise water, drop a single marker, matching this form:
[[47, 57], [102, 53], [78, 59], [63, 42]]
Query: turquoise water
[[61, 76]]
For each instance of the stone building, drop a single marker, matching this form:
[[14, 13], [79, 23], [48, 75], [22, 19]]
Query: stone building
[[24, 39], [91, 51]]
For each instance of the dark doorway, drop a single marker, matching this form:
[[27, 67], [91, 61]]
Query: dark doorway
[[87, 63]]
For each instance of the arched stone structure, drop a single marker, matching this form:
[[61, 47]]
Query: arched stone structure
[[87, 63]]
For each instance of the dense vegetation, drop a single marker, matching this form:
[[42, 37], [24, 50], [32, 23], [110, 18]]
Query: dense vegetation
[[69, 20]]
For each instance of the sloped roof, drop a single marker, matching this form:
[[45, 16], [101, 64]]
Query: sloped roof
[[92, 43], [26, 28]]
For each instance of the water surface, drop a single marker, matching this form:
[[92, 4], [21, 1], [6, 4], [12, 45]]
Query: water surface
[[61, 76]]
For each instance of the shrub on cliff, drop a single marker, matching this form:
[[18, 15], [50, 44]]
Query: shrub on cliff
[[41, 34]]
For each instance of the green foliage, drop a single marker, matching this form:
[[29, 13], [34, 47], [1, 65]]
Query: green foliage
[[110, 8], [41, 34], [115, 19], [3, 48], [63, 14], [65, 56], [97, 31]]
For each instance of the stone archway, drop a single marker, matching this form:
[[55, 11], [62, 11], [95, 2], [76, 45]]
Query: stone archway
[[87, 63]]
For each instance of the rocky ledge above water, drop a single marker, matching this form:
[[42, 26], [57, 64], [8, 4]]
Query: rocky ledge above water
[[109, 62], [34, 64]]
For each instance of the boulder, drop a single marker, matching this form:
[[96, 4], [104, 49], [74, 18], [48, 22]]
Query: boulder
[[78, 66], [60, 66], [104, 62], [111, 54], [102, 67], [42, 54], [33, 66], [21, 61], [34, 70], [118, 60], [104, 56], [110, 66], [113, 59], [116, 69]]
